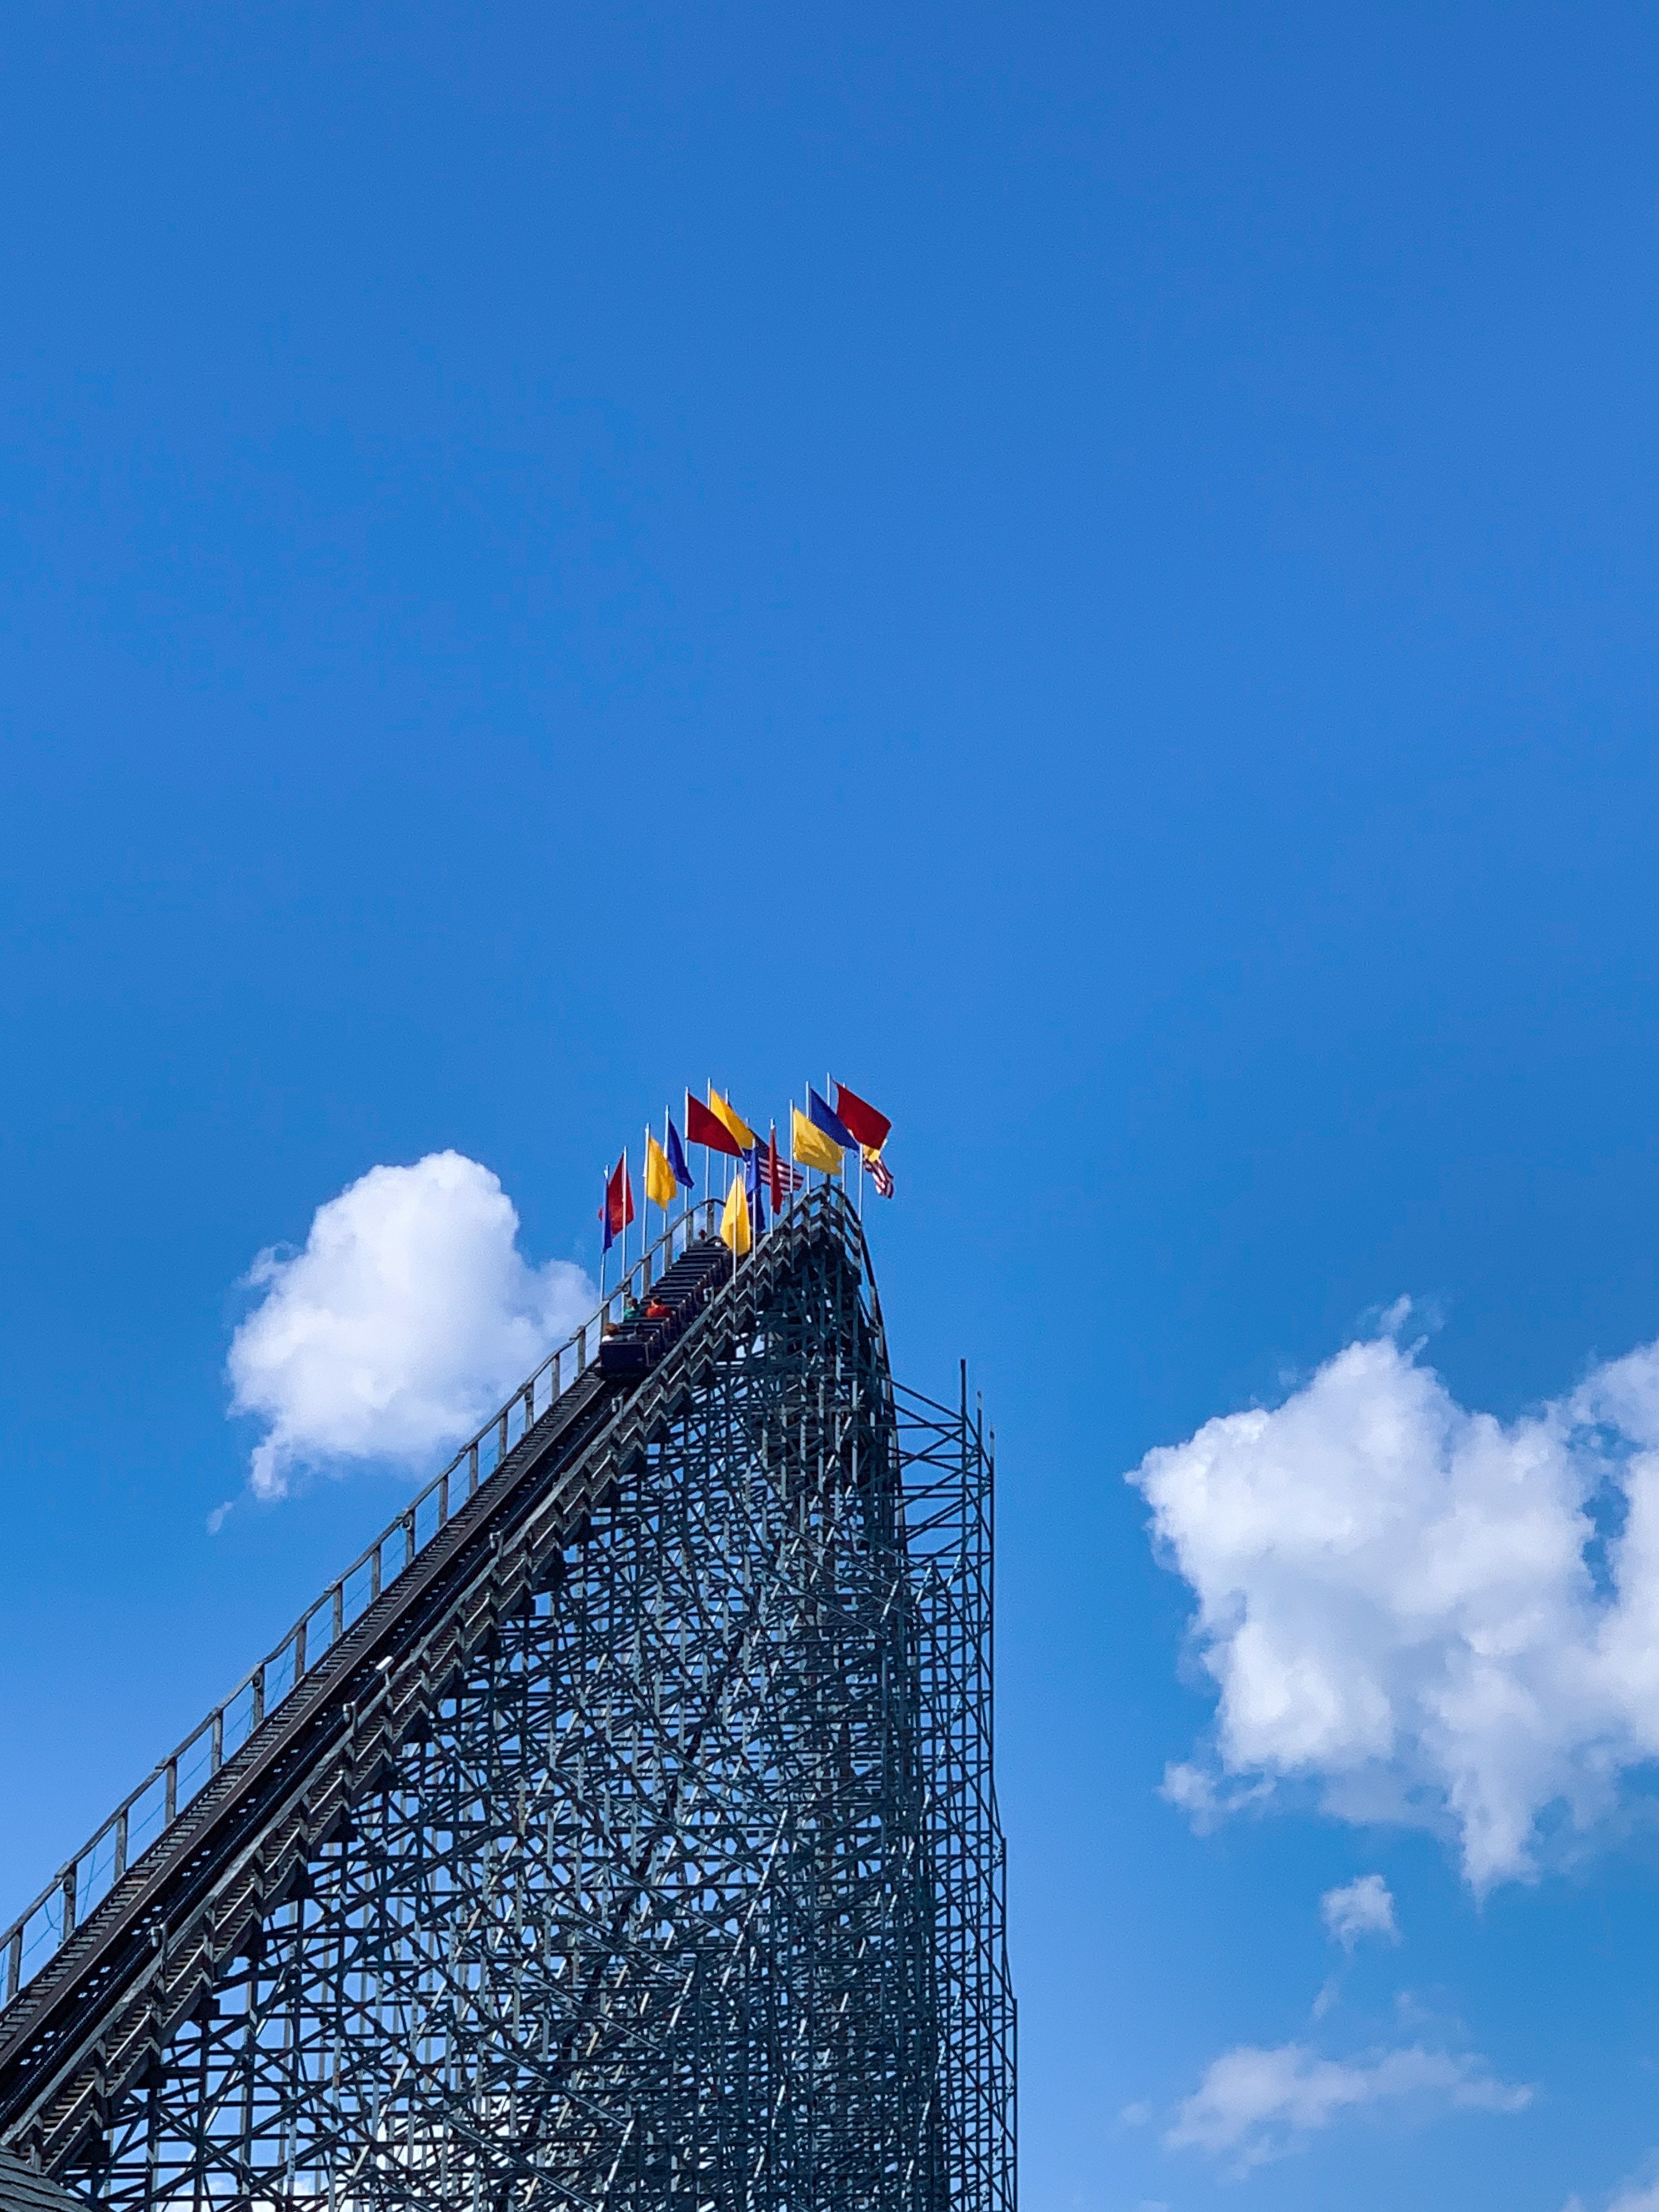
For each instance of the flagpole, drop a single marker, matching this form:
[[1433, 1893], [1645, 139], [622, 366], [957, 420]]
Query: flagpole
[[831, 1080], [829, 1085], [605, 1233], [679, 1188]]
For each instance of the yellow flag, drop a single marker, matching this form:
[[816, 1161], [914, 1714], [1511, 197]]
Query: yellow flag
[[812, 1147], [733, 1120], [660, 1186], [734, 1220]]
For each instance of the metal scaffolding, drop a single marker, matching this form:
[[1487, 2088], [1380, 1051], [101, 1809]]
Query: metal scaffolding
[[637, 1847]]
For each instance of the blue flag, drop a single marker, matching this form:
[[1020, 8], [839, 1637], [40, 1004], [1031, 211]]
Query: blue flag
[[683, 1175], [754, 1173], [826, 1118]]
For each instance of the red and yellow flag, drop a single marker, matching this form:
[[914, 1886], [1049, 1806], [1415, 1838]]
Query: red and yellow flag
[[724, 1111], [703, 1127]]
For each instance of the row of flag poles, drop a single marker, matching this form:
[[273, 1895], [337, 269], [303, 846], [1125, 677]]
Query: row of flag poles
[[820, 1138]]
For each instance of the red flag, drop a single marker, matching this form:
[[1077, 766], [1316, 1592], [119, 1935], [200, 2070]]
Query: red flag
[[783, 1181], [869, 1127], [703, 1127], [619, 1208]]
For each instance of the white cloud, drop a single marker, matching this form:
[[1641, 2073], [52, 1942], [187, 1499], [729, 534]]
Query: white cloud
[[1195, 1791], [1254, 2105], [1636, 2196], [1365, 1907], [407, 1317], [1428, 1614]]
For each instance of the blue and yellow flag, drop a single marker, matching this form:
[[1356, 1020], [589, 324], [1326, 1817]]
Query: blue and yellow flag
[[823, 1115], [810, 1146]]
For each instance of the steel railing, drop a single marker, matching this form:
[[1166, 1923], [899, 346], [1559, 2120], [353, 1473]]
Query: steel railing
[[142, 1818]]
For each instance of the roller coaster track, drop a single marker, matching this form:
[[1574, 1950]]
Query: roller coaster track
[[315, 1879]]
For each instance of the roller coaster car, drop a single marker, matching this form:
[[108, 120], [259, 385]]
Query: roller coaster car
[[634, 1350], [637, 1346]]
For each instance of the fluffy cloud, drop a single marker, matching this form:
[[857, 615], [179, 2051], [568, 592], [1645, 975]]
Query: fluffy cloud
[[1427, 1613], [405, 1319], [1254, 2105], [1365, 1907]]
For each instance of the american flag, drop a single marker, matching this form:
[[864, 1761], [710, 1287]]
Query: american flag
[[781, 1179], [880, 1174]]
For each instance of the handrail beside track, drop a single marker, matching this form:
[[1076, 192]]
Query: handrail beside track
[[150, 1811]]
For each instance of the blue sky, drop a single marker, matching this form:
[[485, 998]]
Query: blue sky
[[1093, 572]]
